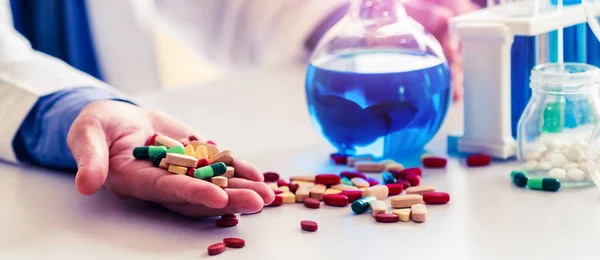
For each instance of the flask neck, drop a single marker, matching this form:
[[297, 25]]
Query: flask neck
[[377, 11]]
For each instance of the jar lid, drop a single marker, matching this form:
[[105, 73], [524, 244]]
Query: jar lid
[[564, 77]]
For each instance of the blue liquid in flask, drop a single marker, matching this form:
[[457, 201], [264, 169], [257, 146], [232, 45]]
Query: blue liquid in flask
[[385, 103]]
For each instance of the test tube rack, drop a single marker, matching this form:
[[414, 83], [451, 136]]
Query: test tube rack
[[500, 46]]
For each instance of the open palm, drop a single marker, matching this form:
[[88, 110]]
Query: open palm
[[102, 138]]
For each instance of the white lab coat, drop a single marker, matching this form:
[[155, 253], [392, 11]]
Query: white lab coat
[[217, 34]]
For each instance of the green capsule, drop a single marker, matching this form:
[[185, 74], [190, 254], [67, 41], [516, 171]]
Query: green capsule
[[209, 171], [176, 149], [362, 205], [345, 181], [388, 178], [219, 168], [141, 152], [154, 150], [519, 178], [157, 157], [545, 184]]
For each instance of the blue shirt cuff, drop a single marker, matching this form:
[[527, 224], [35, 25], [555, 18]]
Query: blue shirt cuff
[[42, 137]]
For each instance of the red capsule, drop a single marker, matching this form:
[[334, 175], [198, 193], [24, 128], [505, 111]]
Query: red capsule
[[211, 142], [202, 162], [436, 197], [184, 144], [351, 175], [352, 195], [277, 202], [386, 218], [281, 182], [308, 225], [216, 249], [372, 181], [190, 172], [229, 216], [271, 176], [434, 162], [192, 138], [337, 200], [234, 242], [413, 179], [394, 188], [294, 187], [226, 222], [339, 159], [402, 174], [312, 203], [405, 183], [478, 160], [327, 179], [150, 140], [277, 191]]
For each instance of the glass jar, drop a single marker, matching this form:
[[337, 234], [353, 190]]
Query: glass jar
[[378, 83], [557, 124]]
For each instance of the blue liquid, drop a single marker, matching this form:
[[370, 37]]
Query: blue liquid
[[522, 62], [385, 103]]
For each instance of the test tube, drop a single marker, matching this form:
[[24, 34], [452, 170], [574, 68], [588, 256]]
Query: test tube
[[592, 47], [523, 59]]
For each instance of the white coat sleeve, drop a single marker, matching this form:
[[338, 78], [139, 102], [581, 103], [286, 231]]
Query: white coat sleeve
[[26, 75]]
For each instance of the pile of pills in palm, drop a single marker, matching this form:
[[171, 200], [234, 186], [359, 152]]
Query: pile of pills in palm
[[565, 162], [201, 160]]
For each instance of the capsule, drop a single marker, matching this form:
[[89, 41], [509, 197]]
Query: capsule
[[519, 178], [345, 181], [157, 157], [388, 178], [545, 184], [209, 171], [176, 149], [147, 152], [362, 205]]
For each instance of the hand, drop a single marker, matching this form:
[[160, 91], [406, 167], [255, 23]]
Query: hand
[[102, 138], [435, 15]]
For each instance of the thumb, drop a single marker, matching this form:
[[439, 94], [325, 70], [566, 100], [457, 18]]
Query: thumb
[[87, 141]]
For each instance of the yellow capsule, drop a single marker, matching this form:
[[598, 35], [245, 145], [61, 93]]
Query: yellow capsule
[[188, 150]]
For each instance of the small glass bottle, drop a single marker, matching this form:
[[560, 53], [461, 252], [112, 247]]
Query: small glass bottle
[[557, 124], [378, 83]]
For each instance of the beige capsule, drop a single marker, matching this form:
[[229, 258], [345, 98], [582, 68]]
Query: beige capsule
[[317, 191], [166, 141], [360, 182], [181, 160], [406, 201], [343, 187], [302, 193], [377, 207], [369, 167], [420, 189], [380, 192]]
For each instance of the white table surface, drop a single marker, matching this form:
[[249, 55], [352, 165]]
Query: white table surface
[[262, 116]]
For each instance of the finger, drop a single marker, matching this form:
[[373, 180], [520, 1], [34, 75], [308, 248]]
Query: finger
[[240, 201], [191, 190], [245, 170], [197, 211], [88, 145], [433, 17], [261, 188]]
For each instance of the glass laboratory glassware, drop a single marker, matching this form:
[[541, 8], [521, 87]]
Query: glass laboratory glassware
[[557, 124], [378, 83]]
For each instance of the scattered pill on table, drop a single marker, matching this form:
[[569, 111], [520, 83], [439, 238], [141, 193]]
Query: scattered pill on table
[[558, 173], [377, 207], [478, 160], [406, 201], [394, 188], [393, 167], [434, 162], [303, 193], [229, 216], [360, 182], [545, 184], [372, 181], [420, 190], [380, 192], [294, 187], [519, 178], [370, 167], [234, 242], [343, 187], [226, 222], [332, 191], [337, 200], [271, 176], [312, 203], [339, 159], [352, 195], [283, 188], [436, 197], [387, 218], [362, 205], [216, 249], [317, 191], [405, 183], [352, 160], [576, 174], [418, 212], [413, 179], [345, 181], [403, 214], [308, 225], [352, 175], [327, 179], [282, 182], [288, 198], [402, 174], [305, 178], [388, 178]]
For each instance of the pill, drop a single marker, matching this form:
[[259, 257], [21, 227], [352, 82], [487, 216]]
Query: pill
[[519, 179], [216, 249], [377, 207], [583, 166], [345, 181], [277, 192], [294, 187], [339, 159], [308, 225], [175, 169], [327, 179], [192, 138], [211, 142], [272, 185], [360, 182], [372, 167], [271, 176], [478, 160], [387, 178], [387, 218], [229, 173], [288, 197], [306, 178], [163, 140], [337, 200], [352, 175], [211, 150], [545, 184], [394, 188], [558, 159], [418, 212], [234, 242], [403, 214], [352, 195], [405, 184], [225, 157], [215, 169], [302, 183], [531, 165], [393, 167], [380, 192], [420, 190], [276, 202], [195, 144], [184, 141], [146, 152], [150, 140], [574, 153], [202, 162], [164, 164], [189, 172], [402, 174], [188, 150], [569, 166], [434, 162], [372, 181], [176, 150], [405, 201], [317, 191], [229, 216], [413, 179], [533, 156], [553, 143], [226, 222], [200, 152], [544, 165], [342, 187], [181, 160], [219, 181], [312, 203], [436, 197], [157, 158], [281, 182], [362, 205], [283, 188], [353, 159], [558, 173], [576, 174], [302, 193]]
